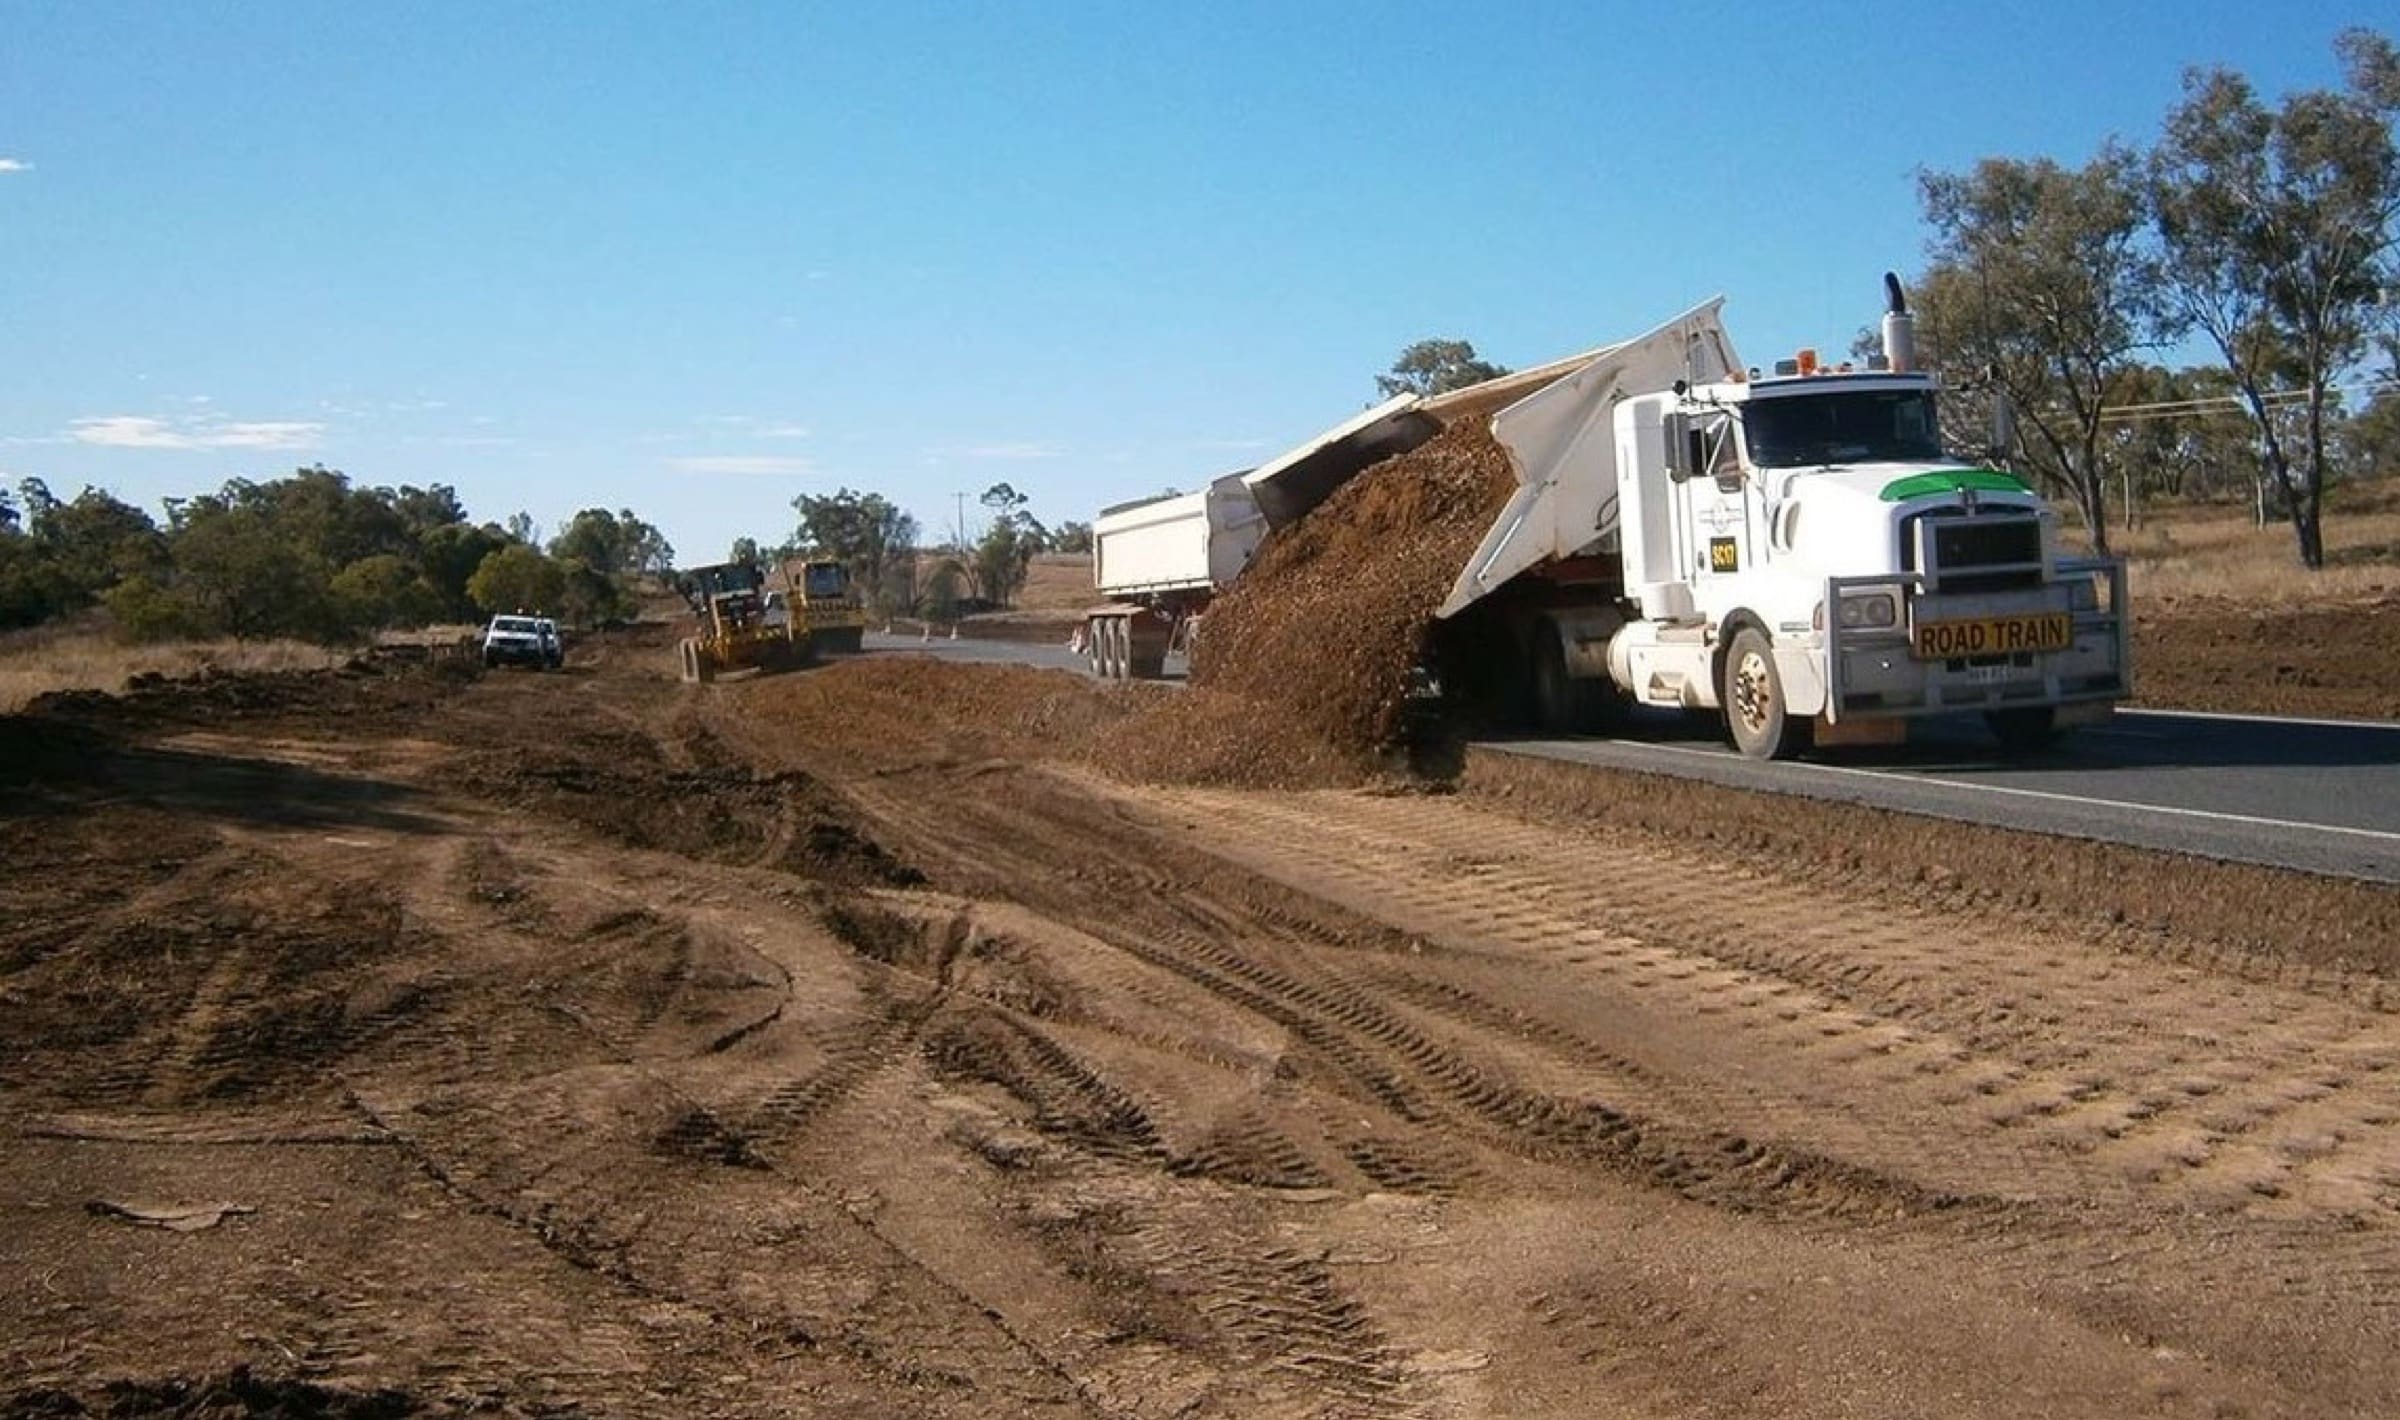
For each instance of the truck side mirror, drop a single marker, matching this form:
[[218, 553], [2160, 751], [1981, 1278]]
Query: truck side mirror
[[1678, 430]]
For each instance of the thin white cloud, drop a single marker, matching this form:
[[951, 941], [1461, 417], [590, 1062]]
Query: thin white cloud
[[15, 165], [740, 463], [753, 426], [132, 431], [465, 441], [1005, 452]]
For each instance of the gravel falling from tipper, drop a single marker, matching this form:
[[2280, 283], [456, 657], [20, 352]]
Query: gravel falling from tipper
[[1328, 621]]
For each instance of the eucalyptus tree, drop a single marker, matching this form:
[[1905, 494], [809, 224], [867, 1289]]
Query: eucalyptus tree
[[2042, 290], [2277, 228]]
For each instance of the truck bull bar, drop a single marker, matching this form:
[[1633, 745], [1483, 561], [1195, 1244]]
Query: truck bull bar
[[1873, 672]]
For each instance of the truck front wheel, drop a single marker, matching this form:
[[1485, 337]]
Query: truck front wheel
[[1752, 695]]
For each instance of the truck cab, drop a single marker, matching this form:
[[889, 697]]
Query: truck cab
[[1844, 573], [1793, 550]]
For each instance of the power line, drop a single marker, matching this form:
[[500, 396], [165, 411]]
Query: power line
[[2273, 399], [2232, 403]]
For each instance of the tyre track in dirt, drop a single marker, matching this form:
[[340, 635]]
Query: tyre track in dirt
[[1428, 1081], [1338, 1002], [584, 992], [1322, 1355], [1279, 1312], [2296, 1103], [2312, 1096], [1423, 1090], [614, 1191], [567, 1204]]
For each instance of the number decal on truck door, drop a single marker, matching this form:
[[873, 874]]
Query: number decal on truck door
[[1724, 555]]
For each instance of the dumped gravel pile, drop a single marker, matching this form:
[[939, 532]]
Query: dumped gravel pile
[[888, 714], [1213, 737], [1327, 622]]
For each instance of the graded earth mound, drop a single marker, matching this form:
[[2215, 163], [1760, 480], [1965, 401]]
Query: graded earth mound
[[1329, 620], [2206, 653]]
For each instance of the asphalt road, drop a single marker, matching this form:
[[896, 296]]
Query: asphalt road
[[2319, 796], [2315, 795]]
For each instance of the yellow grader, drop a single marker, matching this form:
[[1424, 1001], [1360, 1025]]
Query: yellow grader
[[736, 631], [747, 622]]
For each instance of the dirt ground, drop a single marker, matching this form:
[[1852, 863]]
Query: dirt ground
[[2340, 659], [856, 1042]]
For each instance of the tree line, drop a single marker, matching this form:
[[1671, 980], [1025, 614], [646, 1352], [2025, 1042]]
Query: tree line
[[2260, 232], [311, 556]]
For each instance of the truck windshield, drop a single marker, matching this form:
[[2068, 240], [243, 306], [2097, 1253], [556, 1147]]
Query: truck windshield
[[1860, 426]]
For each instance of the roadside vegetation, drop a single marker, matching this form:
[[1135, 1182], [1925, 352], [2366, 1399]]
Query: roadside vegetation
[[310, 557], [2186, 551], [2255, 235]]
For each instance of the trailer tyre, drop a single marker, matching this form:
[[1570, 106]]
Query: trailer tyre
[[1755, 712], [1564, 704]]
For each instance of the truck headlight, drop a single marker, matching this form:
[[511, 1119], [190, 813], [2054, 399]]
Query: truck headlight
[[2083, 594], [1869, 610]]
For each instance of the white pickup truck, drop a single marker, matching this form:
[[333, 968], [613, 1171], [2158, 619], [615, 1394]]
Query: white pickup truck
[[523, 641]]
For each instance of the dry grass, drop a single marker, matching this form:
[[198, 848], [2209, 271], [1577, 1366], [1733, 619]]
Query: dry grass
[[2215, 552], [45, 659], [1057, 581]]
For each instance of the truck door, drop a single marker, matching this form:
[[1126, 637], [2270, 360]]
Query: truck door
[[1723, 541]]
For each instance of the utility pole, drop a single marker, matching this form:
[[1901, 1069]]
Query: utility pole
[[958, 526]]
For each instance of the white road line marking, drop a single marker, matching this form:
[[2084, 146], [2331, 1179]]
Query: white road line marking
[[2262, 719], [2379, 835]]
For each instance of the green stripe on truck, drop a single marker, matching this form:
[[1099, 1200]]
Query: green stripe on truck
[[1924, 485]]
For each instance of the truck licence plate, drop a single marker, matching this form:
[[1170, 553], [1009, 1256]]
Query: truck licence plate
[[1993, 636]]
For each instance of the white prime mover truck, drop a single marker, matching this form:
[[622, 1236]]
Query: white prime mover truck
[[1791, 549]]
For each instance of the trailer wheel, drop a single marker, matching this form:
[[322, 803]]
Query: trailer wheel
[[1109, 639], [1565, 704], [2023, 729], [1752, 695]]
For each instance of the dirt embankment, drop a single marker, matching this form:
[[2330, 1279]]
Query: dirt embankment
[[2203, 653]]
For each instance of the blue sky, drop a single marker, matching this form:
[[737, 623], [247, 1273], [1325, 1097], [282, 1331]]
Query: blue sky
[[698, 259]]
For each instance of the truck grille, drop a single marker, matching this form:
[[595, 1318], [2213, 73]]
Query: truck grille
[[1977, 552]]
